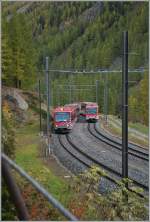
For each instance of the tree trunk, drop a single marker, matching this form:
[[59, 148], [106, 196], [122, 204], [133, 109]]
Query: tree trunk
[[19, 84], [16, 82]]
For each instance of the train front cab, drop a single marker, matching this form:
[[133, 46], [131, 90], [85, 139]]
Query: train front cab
[[64, 119], [91, 113]]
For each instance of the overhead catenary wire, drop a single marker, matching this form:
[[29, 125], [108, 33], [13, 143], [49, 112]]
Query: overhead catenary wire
[[139, 70], [65, 85], [71, 88]]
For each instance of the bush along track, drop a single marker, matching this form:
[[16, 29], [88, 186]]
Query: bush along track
[[120, 204]]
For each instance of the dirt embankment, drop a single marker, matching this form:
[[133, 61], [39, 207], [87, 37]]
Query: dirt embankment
[[17, 104]]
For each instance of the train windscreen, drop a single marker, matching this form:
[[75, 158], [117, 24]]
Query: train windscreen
[[62, 116], [91, 110]]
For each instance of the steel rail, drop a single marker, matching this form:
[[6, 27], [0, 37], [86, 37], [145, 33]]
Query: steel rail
[[79, 159], [39, 188], [89, 166], [115, 142], [112, 144], [103, 165], [119, 143]]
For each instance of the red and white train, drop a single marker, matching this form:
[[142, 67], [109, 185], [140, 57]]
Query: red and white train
[[91, 112], [64, 118], [77, 106]]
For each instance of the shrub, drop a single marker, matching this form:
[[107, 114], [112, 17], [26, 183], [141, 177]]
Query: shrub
[[119, 204]]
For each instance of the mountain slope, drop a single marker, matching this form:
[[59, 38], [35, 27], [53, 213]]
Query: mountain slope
[[75, 35], [77, 31]]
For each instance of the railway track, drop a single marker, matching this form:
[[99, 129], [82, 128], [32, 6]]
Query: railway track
[[119, 141], [131, 145], [134, 151], [87, 160]]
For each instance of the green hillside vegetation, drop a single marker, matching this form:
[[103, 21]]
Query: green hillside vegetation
[[8, 146], [76, 35], [138, 101]]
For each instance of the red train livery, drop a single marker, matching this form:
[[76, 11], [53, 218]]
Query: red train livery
[[91, 111], [74, 105], [64, 118]]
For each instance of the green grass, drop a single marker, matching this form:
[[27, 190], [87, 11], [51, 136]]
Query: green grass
[[27, 156], [118, 132], [139, 127]]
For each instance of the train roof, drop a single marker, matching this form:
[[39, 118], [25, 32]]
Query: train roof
[[89, 103], [72, 104], [64, 109], [92, 105], [85, 102]]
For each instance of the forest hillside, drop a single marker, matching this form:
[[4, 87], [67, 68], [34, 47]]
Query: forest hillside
[[76, 35]]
